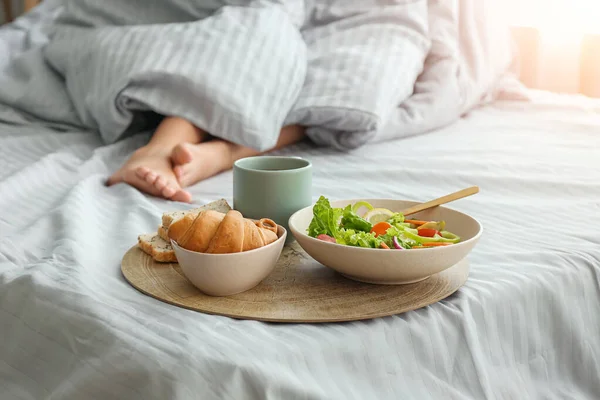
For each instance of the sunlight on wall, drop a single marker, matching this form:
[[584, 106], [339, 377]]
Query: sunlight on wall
[[559, 43], [564, 20]]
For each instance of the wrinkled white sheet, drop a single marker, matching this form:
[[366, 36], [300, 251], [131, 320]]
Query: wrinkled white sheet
[[525, 326]]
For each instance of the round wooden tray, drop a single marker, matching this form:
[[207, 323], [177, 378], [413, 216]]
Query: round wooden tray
[[300, 290]]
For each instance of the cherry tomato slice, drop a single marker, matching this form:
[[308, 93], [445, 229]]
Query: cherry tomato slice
[[380, 228], [427, 232], [326, 238]]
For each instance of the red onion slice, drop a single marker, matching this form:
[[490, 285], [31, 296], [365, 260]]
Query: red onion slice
[[397, 244]]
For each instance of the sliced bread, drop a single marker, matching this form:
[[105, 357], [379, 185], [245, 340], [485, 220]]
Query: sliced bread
[[219, 205], [163, 233], [159, 249]]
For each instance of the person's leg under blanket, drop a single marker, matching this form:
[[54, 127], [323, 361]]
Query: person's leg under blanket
[[180, 155]]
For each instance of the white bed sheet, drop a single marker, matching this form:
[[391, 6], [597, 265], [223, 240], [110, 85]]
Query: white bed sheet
[[525, 326]]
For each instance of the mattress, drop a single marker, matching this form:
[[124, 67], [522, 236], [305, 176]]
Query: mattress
[[524, 326]]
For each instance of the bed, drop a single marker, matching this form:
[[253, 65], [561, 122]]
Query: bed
[[525, 325]]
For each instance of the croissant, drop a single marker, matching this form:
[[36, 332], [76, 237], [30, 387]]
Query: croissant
[[214, 232]]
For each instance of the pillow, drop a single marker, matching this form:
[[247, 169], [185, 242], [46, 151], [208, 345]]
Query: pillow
[[470, 63]]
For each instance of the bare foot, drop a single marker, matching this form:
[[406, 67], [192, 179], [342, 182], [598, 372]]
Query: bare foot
[[193, 163], [152, 172]]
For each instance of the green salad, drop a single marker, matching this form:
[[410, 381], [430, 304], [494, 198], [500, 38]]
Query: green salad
[[376, 228]]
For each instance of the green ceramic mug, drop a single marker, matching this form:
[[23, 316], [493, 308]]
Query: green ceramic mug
[[272, 187]]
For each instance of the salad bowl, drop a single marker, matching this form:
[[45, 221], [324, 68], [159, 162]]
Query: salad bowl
[[383, 264]]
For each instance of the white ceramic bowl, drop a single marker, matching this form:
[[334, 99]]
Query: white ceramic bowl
[[389, 266], [229, 274]]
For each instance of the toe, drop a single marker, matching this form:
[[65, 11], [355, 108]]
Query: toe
[[160, 183], [152, 177], [182, 196], [178, 170], [168, 191], [146, 174], [141, 172], [184, 175], [181, 154]]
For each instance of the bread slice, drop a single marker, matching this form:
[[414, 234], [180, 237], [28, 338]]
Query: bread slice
[[159, 249], [163, 233], [220, 205]]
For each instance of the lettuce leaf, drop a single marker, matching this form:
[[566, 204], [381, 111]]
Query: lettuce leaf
[[351, 237], [396, 219], [325, 219], [351, 220]]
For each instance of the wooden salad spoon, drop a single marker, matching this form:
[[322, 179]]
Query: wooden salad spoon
[[441, 200]]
